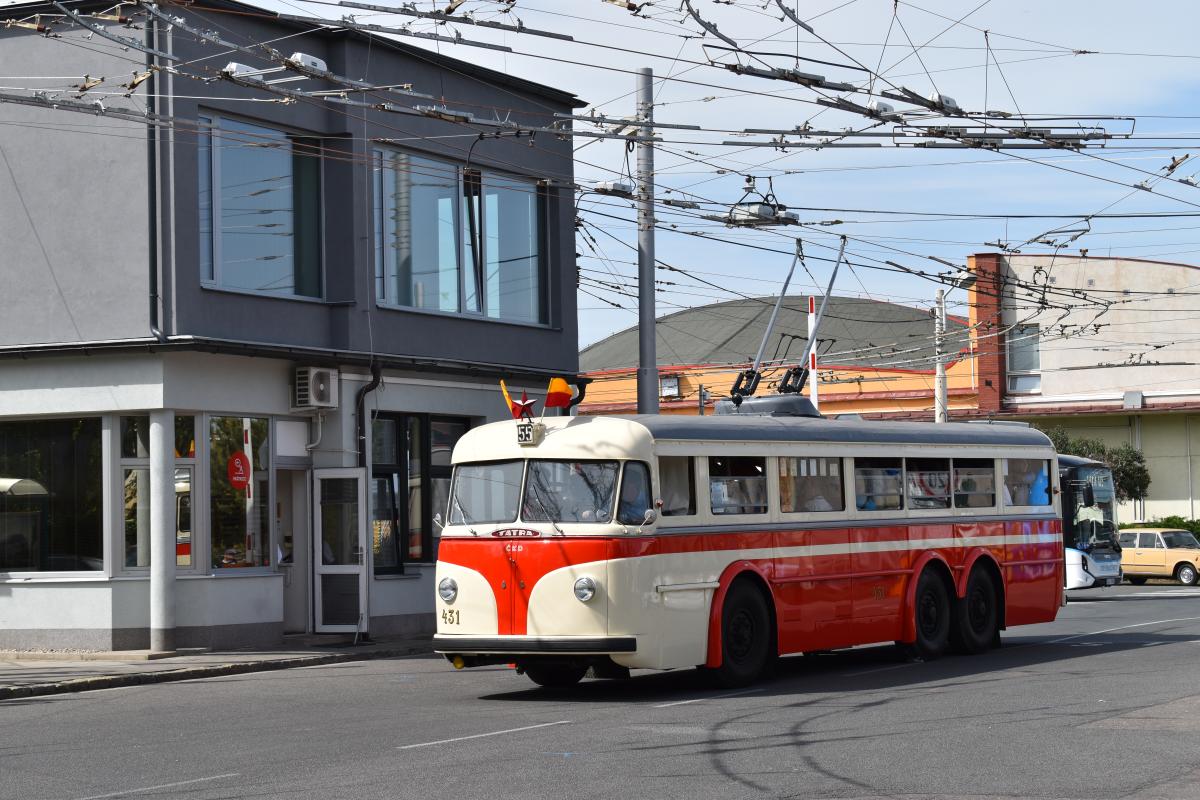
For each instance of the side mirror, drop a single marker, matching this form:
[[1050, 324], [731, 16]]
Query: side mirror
[[651, 516], [1089, 495], [437, 520]]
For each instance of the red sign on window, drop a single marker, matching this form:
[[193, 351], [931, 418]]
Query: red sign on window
[[239, 470]]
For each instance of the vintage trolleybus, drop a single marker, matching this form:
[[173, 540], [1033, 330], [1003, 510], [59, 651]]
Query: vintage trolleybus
[[721, 542]]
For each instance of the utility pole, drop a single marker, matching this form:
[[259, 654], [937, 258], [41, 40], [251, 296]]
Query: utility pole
[[939, 343], [647, 374], [703, 393], [814, 391]]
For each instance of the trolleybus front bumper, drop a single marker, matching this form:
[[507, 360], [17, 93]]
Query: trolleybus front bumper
[[540, 645]]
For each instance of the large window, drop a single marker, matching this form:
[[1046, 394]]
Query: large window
[[878, 484], [1024, 360], [737, 484], [239, 484], [51, 496], [1027, 482], [135, 477], [460, 241], [811, 484], [260, 209], [410, 457]]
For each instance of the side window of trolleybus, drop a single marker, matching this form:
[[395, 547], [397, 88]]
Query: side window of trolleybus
[[928, 482], [737, 484], [974, 483], [678, 479], [811, 484], [878, 484], [1026, 482]]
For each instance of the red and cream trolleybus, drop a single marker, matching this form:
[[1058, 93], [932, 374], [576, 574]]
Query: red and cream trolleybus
[[665, 542]]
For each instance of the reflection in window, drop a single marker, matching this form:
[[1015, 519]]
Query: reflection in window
[[678, 486], [877, 484], [260, 216], [239, 458], [811, 484], [569, 491], [135, 436], [1027, 482], [51, 495], [486, 493], [737, 484], [974, 483], [635, 494], [928, 482], [454, 240]]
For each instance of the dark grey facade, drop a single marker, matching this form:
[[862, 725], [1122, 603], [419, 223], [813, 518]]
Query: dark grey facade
[[130, 312]]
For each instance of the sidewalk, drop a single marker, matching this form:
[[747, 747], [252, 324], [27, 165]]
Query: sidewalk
[[28, 674]]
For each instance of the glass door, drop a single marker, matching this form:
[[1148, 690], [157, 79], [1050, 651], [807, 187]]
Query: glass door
[[339, 550]]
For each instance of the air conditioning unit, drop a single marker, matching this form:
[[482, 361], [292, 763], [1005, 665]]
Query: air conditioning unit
[[315, 387]]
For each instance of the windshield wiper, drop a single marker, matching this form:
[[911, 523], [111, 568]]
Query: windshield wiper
[[533, 493]]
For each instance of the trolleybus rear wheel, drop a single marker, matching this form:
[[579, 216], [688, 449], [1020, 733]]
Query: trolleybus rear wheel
[[932, 612], [745, 636], [976, 617], [556, 676]]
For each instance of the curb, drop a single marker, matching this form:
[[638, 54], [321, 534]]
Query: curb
[[191, 673]]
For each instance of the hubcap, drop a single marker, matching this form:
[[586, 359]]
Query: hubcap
[[740, 633], [1187, 575]]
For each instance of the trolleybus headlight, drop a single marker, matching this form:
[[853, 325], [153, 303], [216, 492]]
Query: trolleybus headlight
[[585, 589], [448, 589]]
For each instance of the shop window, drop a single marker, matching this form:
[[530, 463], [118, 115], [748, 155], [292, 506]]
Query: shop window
[[1027, 482], [459, 241], [260, 209], [878, 484], [51, 496], [678, 479], [409, 487], [737, 484], [239, 489], [135, 489], [811, 485], [928, 481]]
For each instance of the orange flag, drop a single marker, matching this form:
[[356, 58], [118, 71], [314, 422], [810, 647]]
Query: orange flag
[[559, 394]]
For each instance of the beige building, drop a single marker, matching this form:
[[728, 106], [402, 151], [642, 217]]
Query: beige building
[[1125, 371]]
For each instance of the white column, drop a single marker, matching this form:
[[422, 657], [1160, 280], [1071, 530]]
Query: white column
[[162, 531], [814, 385], [940, 406]]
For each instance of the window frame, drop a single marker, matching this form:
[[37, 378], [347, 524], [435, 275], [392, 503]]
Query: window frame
[[209, 127], [1052, 486], [1019, 336], [465, 263], [802, 514], [401, 517], [770, 488], [873, 513], [694, 506]]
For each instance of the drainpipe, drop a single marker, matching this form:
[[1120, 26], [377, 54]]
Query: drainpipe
[[152, 179], [359, 418]]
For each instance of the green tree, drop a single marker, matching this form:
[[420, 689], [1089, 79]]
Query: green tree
[[1130, 475]]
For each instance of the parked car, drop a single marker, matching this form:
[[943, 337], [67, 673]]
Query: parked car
[[1159, 553]]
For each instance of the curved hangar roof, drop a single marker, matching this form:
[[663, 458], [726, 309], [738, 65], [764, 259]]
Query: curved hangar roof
[[731, 332]]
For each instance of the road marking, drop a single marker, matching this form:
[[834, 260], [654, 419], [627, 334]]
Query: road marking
[[160, 786], [709, 697], [481, 735], [1121, 628]]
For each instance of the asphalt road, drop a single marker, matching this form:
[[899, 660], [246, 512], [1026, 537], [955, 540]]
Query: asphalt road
[[1103, 703]]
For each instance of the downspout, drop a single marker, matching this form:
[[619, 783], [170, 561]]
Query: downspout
[[152, 178], [359, 419]]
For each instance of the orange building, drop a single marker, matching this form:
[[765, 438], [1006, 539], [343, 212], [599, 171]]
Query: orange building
[[874, 358]]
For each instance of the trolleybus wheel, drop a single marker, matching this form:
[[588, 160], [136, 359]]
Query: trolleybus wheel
[[556, 676], [976, 617], [745, 636], [1136, 581], [1186, 574], [932, 612]]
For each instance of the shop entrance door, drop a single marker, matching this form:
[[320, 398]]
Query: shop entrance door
[[339, 551]]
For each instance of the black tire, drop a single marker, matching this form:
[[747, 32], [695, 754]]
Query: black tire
[[932, 616], [1135, 580], [556, 676], [745, 636], [976, 616], [1186, 574]]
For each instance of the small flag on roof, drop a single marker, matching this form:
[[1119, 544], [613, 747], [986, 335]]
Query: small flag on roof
[[518, 408], [559, 394]]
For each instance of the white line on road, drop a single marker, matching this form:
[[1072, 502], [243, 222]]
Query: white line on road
[[1121, 628], [710, 697], [127, 792], [481, 735]]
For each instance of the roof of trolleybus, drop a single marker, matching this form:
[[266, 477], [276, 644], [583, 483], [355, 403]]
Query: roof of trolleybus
[[633, 437]]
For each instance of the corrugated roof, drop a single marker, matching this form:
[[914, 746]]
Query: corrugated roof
[[730, 333]]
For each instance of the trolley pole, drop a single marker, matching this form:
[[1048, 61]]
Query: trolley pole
[[647, 374], [940, 413]]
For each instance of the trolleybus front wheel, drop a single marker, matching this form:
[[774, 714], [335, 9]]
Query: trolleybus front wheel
[[556, 676], [932, 611], [745, 636]]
